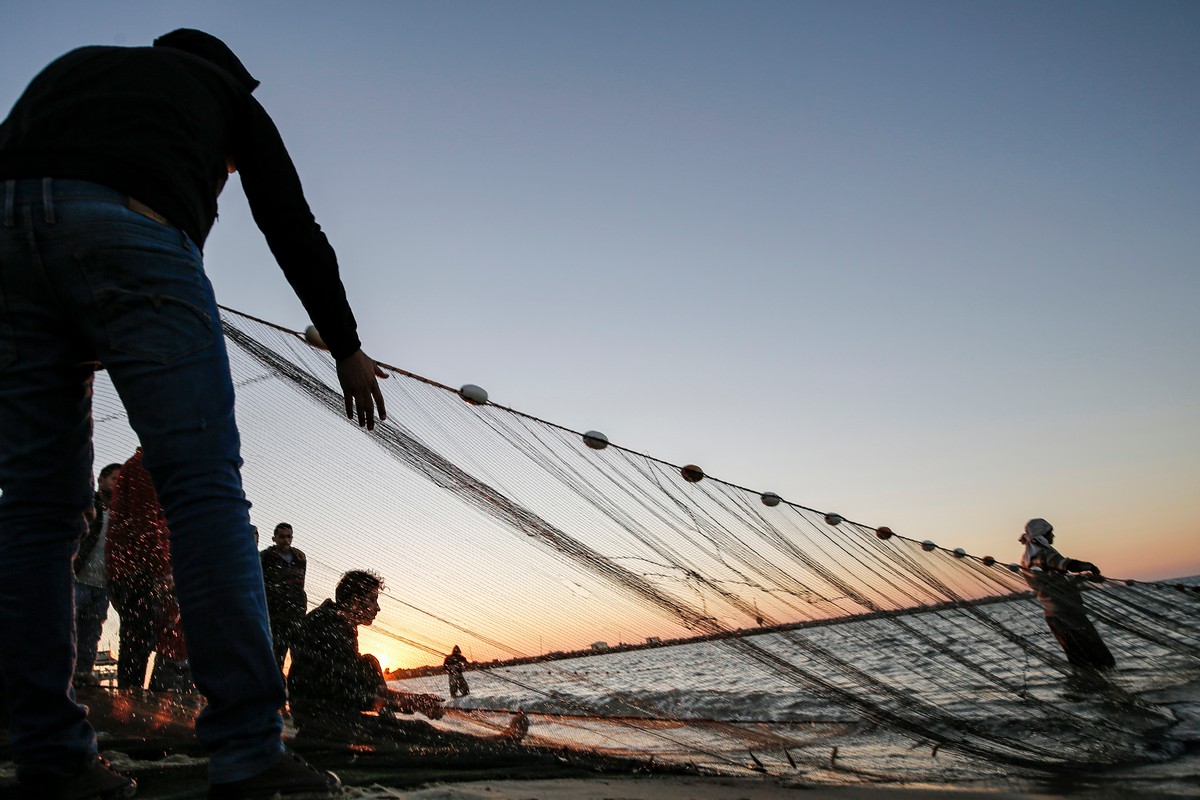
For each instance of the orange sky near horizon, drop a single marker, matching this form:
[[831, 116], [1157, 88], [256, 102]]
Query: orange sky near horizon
[[931, 267]]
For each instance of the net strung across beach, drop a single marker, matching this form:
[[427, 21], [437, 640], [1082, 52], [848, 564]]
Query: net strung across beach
[[767, 632]]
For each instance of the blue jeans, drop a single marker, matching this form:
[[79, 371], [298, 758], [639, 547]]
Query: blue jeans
[[91, 609], [83, 278]]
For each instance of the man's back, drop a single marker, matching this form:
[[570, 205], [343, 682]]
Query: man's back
[[154, 123], [164, 127], [137, 541], [328, 673]]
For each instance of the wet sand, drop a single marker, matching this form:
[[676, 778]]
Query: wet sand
[[681, 788]]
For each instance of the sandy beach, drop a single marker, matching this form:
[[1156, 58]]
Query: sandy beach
[[682, 788]]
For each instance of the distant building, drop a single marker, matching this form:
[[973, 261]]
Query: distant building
[[599, 645]]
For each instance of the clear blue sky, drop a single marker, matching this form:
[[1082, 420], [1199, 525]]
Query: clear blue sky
[[934, 265]]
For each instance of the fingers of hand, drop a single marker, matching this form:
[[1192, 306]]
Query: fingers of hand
[[366, 412], [377, 393]]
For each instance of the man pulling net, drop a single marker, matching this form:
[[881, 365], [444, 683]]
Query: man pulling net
[[1048, 574]]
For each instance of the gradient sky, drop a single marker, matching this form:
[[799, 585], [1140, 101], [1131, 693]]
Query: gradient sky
[[934, 265]]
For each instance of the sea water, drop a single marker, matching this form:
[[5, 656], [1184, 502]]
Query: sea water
[[708, 705]]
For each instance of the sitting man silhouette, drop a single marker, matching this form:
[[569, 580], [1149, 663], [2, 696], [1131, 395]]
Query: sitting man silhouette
[[337, 693], [329, 677]]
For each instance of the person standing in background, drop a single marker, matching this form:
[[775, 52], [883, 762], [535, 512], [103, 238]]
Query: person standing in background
[[454, 665], [91, 588], [284, 568], [138, 568], [1048, 574]]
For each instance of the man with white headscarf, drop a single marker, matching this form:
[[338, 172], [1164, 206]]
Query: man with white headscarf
[[1048, 573]]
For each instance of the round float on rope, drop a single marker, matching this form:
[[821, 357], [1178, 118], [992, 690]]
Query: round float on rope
[[1014, 567], [959, 552], [595, 440], [834, 519], [928, 546], [1181, 587], [313, 337], [988, 561], [1131, 583], [883, 532], [475, 395], [770, 499], [691, 473]]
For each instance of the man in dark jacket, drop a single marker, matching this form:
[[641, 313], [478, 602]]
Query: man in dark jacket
[[454, 665], [329, 679], [1048, 574], [110, 166], [283, 568], [333, 689]]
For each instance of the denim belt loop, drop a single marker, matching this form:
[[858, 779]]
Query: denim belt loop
[[10, 201], [48, 199]]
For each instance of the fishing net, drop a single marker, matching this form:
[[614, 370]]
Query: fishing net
[[633, 607]]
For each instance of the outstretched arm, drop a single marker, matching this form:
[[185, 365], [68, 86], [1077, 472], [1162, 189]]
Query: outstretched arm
[[407, 702], [1053, 559], [1075, 565]]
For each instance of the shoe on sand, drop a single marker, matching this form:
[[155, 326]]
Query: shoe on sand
[[97, 781], [291, 777]]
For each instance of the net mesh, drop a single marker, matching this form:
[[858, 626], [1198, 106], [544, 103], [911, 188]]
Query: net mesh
[[632, 611]]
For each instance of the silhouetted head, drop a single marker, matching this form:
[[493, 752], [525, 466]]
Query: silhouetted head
[[211, 49], [1039, 531], [357, 596]]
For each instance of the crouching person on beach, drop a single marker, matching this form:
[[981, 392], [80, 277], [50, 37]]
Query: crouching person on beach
[[334, 690], [330, 683]]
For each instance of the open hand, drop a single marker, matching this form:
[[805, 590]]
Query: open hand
[[359, 376]]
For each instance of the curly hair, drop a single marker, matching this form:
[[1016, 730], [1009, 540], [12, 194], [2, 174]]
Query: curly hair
[[356, 584]]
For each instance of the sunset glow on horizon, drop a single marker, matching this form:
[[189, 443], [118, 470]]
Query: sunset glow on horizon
[[928, 265]]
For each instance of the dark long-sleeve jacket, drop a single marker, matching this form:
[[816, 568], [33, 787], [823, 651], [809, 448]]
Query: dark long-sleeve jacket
[[328, 674], [160, 124], [284, 582], [455, 663]]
